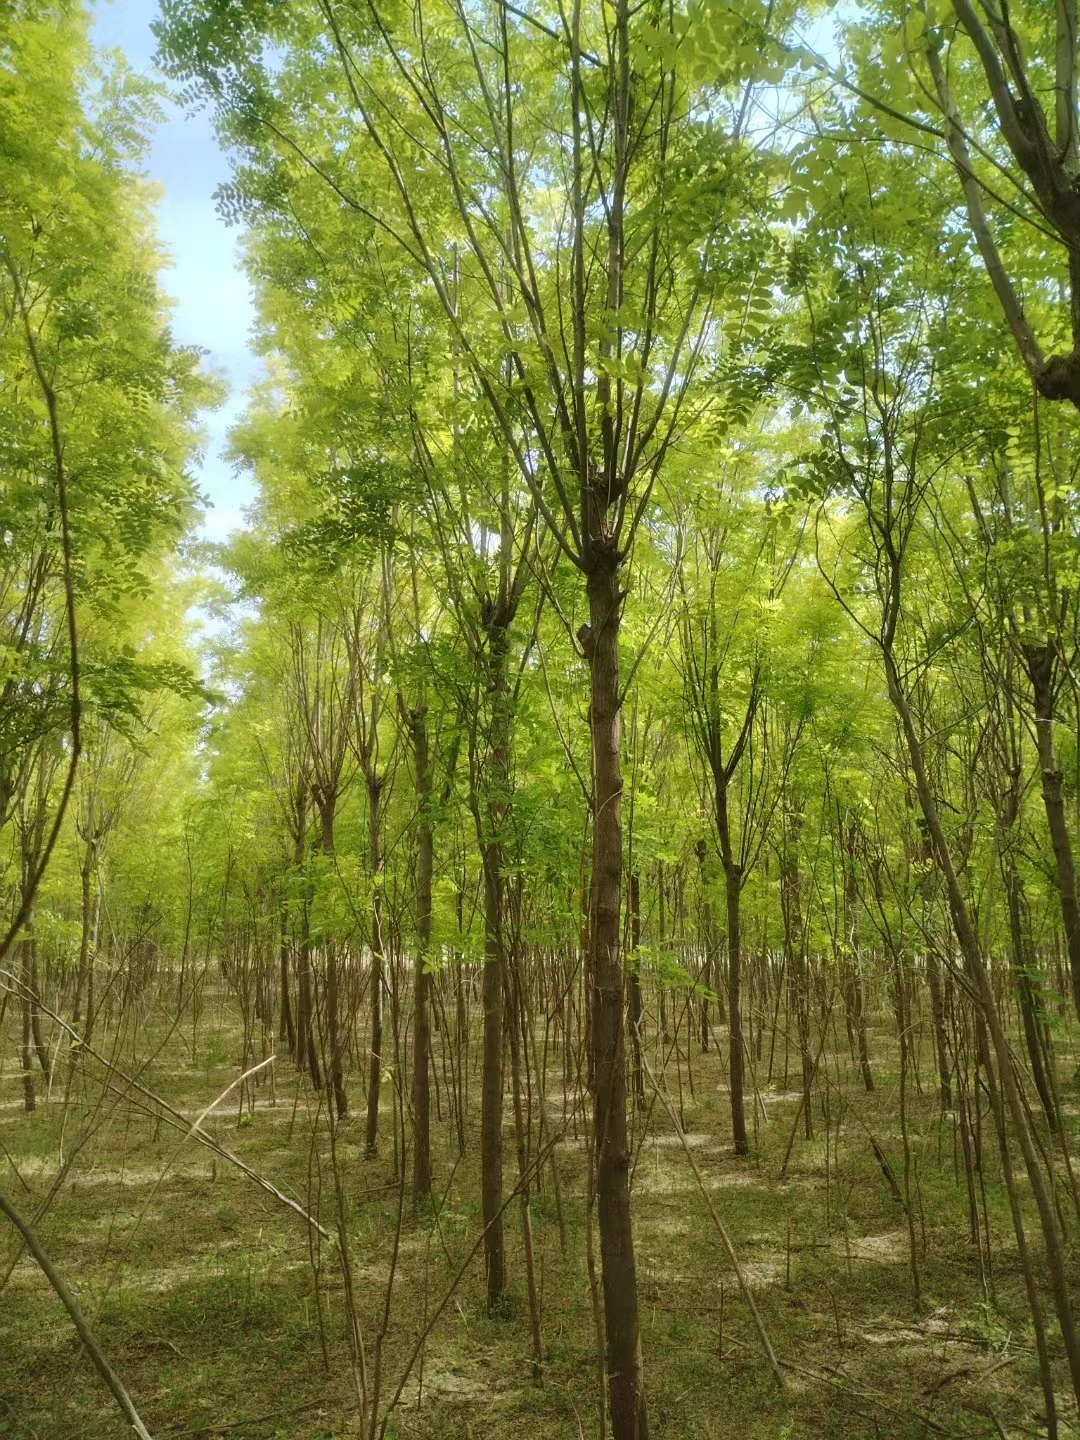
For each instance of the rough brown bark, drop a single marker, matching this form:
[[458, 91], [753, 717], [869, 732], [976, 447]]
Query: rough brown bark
[[626, 1388]]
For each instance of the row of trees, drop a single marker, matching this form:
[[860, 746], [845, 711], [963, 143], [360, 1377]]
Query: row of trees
[[96, 416], [661, 596]]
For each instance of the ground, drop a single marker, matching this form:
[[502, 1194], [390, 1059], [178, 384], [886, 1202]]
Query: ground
[[222, 1319]]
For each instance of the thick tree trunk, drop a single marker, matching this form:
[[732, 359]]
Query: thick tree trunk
[[421, 1103], [626, 1389]]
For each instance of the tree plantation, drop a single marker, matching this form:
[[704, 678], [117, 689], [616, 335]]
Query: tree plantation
[[566, 922]]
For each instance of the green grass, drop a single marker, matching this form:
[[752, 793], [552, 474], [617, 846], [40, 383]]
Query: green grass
[[209, 1308]]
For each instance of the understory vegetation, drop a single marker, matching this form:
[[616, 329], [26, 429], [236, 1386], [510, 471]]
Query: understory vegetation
[[569, 918]]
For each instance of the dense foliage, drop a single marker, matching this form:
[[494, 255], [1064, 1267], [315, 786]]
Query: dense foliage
[[660, 607]]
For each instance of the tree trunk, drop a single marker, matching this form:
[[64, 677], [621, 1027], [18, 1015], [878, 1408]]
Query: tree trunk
[[733, 877], [490, 816], [635, 1009], [736, 1048], [626, 1390], [375, 979], [1012, 1100], [333, 1004], [1040, 666], [86, 877], [421, 1103], [1026, 994], [286, 1027]]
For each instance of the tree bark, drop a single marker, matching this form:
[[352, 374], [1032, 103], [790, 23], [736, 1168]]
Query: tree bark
[[421, 1101], [491, 812], [375, 977], [635, 1008], [1040, 667], [733, 877], [626, 1389], [333, 1004], [86, 877]]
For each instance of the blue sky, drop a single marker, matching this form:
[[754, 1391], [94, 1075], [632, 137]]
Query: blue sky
[[213, 303]]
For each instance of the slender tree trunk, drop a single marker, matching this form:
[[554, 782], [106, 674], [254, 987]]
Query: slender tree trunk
[[733, 878], [635, 1009], [736, 1047], [1025, 992], [375, 980], [795, 954], [286, 1026], [491, 813], [626, 1389], [491, 1082], [26, 1051], [421, 1102], [857, 998], [1040, 665], [941, 1037], [333, 982], [708, 929], [30, 952], [967, 938], [86, 879]]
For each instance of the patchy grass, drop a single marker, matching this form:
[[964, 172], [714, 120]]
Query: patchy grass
[[222, 1319]]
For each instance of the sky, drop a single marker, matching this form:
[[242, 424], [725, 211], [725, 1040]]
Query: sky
[[213, 304]]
